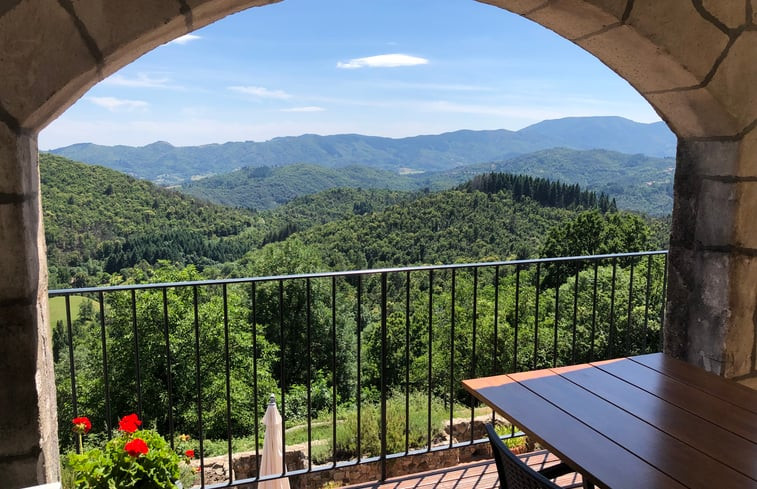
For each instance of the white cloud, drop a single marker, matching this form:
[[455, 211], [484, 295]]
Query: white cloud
[[309, 108], [142, 80], [113, 104], [383, 61], [185, 39], [261, 92]]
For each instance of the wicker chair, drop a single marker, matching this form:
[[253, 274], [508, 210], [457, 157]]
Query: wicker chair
[[515, 474]]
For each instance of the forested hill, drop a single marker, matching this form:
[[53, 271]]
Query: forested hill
[[265, 187], [99, 220], [545, 192], [452, 226], [163, 163], [637, 182]]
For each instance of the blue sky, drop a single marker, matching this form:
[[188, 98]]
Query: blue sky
[[391, 68]]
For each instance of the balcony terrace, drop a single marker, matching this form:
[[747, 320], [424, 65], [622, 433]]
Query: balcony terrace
[[692, 60], [367, 365]]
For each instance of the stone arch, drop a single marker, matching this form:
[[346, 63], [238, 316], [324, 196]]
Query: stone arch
[[693, 60], [670, 52]]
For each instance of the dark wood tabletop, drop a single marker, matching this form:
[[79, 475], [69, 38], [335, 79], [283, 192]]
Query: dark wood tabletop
[[639, 422]]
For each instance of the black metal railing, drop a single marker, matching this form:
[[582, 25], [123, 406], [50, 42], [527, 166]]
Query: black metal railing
[[367, 363]]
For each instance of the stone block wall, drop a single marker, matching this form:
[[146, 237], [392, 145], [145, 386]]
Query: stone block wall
[[245, 464]]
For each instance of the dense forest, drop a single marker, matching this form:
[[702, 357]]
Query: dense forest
[[329, 345]]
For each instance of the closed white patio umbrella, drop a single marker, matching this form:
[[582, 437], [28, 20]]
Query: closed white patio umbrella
[[272, 460]]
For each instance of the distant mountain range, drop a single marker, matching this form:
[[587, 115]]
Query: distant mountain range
[[165, 164]]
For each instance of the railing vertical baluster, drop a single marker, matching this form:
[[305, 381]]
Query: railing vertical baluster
[[557, 319], [282, 331], [167, 339], [646, 305], [452, 355], [663, 299], [630, 310], [536, 316], [309, 380], [359, 360], [227, 367], [254, 314], [333, 365], [495, 354], [106, 377], [407, 362], [473, 347], [575, 315], [71, 365], [495, 351], [593, 333], [611, 341], [198, 383], [517, 318], [137, 363], [384, 352], [430, 351]]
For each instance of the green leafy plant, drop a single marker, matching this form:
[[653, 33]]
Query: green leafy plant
[[135, 458]]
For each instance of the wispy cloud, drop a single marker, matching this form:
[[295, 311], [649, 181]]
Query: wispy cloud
[[114, 104], [186, 38], [383, 61], [142, 80], [261, 92], [309, 108]]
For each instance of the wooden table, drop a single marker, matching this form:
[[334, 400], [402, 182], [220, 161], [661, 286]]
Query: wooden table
[[643, 422]]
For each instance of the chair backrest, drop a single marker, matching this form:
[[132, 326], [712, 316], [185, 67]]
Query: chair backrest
[[513, 472]]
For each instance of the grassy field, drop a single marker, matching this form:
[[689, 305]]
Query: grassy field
[[58, 308]]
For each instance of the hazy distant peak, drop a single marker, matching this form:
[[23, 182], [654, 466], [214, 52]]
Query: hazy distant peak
[[159, 145]]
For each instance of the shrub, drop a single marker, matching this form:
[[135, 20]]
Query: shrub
[[135, 458], [370, 442]]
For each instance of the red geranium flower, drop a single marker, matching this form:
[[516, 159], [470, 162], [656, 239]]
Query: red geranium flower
[[81, 425], [136, 447], [190, 453], [129, 423]]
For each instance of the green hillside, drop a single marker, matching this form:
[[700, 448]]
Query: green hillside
[[99, 220], [637, 182], [266, 187], [441, 227]]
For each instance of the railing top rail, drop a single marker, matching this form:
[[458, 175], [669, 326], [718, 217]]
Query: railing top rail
[[348, 273]]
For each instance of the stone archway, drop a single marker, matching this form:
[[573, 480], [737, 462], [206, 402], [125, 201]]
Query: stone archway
[[693, 60]]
